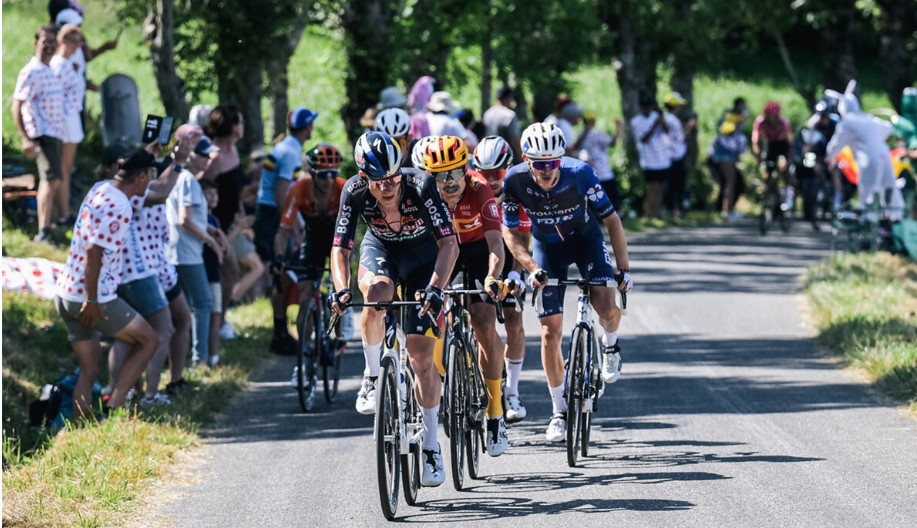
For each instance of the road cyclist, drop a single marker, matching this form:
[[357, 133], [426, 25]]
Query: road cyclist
[[564, 200], [476, 218], [491, 158], [772, 145], [409, 236]]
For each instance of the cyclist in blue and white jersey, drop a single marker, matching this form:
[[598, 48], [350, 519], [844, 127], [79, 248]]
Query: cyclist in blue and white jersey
[[564, 199]]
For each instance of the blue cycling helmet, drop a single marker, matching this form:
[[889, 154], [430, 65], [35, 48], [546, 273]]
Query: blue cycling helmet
[[377, 156]]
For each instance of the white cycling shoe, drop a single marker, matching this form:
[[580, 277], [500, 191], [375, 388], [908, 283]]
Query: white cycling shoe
[[557, 429], [515, 411], [434, 473], [611, 367], [496, 437], [366, 398]]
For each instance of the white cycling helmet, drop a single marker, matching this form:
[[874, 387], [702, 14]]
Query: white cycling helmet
[[393, 121], [419, 148], [543, 141], [492, 153]]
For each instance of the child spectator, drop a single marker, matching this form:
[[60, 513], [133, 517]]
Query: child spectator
[[213, 259]]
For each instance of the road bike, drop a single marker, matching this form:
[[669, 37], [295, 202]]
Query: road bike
[[773, 206], [583, 384], [398, 431], [313, 347], [465, 400]]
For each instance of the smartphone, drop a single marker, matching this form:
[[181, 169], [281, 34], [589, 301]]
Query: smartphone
[[165, 131], [157, 129]]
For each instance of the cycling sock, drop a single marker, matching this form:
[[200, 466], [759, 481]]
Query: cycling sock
[[611, 338], [373, 356], [280, 326], [557, 399], [494, 398], [513, 371], [430, 428]]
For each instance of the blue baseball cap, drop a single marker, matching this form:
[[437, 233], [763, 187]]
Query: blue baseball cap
[[300, 117]]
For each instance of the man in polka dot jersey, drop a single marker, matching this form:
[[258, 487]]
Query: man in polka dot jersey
[[87, 288]]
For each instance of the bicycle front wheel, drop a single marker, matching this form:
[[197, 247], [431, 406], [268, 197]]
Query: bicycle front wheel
[[458, 399], [305, 358], [476, 423], [575, 381], [331, 373], [388, 437], [411, 462]]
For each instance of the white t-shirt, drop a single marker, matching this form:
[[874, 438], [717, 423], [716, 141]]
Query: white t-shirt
[[655, 153], [443, 125], [677, 144], [42, 94], [74, 83], [141, 259], [595, 153], [104, 221], [183, 248], [156, 216]]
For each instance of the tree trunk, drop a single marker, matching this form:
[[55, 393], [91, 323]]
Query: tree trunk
[[366, 23], [487, 59], [241, 86], [158, 33], [897, 23], [807, 92], [278, 81], [838, 60], [683, 83], [635, 67]]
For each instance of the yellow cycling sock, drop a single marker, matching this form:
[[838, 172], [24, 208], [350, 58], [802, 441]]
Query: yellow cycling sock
[[495, 398]]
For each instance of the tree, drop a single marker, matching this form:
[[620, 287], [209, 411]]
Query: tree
[[159, 35]]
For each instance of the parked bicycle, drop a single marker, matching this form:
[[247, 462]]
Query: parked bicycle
[[313, 347], [466, 400], [398, 431], [583, 385]]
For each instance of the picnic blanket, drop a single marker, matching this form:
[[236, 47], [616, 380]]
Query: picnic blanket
[[37, 276]]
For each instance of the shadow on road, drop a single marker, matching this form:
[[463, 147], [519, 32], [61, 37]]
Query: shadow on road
[[483, 508]]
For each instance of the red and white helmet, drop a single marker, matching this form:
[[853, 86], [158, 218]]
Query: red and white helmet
[[492, 153], [543, 141]]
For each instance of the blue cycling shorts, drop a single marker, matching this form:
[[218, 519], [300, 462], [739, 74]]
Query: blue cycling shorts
[[585, 249]]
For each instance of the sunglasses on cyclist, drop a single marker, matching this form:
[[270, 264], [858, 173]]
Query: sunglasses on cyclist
[[386, 183], [326, 174], [546, 164], [493, 174], [450, 175]]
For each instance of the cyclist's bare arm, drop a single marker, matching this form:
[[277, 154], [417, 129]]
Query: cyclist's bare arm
[[445, 261], [618, 240], [340, 273], [517, 241], [280, 240], [497, 256]]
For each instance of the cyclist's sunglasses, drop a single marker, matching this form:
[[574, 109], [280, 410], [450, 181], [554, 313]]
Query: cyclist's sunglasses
[[493, 174], [546, 165], [393, 181], [326, 174], [450, 175]]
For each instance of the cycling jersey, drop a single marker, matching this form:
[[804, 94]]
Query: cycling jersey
[[477, 211], [299, 200], [284, 162], [423, 213], [773, 133], [525, 223], [560, 212]]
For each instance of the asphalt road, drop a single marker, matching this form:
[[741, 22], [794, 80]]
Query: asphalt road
[[726, 414]]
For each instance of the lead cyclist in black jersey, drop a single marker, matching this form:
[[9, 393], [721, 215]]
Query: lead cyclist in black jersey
[[563, 197], [409, 237]]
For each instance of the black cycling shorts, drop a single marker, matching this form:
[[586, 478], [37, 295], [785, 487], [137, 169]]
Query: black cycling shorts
[[474, 259], [413, 268]]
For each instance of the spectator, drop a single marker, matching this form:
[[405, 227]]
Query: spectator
[[200, 115], [212, 261], [501, 120], [86, 53], [439, 118], [226, 127], [737, 114], [186, 211], [724, 153], [465, 116], [417, 106], [650, 133], [675, 194], [595, 144], [253, 281], [69, 40], [391, 97], [38, 113], [86, 296], [281, 167]]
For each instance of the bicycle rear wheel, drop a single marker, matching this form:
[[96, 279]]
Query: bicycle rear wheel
[[574, 393], [458, 399], [331, 374], [411, 462], [388, 438], [476, 423], [306, 362]]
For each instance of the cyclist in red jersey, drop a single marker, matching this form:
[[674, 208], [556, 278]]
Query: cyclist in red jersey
[[492, 157], [316, 198], [476, 218], [776, 134]]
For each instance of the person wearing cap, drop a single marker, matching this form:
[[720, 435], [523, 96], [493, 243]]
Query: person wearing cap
[[85, 53], [281, 167], [678, 131], [439, 116], [651, 135], [724, 153], [391, 97], [592, 147], [86, 292], [501, 120], [186, 210], [38, 113]]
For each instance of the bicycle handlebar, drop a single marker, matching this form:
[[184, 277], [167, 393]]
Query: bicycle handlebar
[[537, 300], [499, 305], [334, 321]]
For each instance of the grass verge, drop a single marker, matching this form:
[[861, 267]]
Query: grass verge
[[865, 308]]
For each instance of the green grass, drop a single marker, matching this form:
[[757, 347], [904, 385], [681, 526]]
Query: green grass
[[865, 307]]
